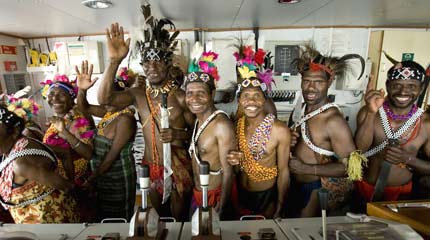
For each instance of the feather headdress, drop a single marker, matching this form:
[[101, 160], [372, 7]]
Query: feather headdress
[[312, 60], [157, 44], [202, 67], [254, 68], [24, 108]]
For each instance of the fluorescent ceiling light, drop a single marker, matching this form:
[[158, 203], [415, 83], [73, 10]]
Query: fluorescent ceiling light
[[288, 1], [97, 4]]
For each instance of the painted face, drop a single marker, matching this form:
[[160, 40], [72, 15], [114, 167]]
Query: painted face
[[314, 87], [403, 93], [156, 71], [252, 100], [60, 101], [198, 97]]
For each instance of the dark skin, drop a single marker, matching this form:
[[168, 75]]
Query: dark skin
[[120, 131], [252, 101], [269, 107], [32, 168], [328, 130], [61, 102], [401, 95], [217, 139], [180, 118]]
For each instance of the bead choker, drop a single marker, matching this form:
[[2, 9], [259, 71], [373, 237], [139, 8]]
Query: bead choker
[[396, 117]]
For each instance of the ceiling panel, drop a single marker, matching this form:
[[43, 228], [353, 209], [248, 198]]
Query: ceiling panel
[[31, 18]]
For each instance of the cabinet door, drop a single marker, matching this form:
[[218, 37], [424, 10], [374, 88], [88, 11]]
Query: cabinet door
[[395, 43]]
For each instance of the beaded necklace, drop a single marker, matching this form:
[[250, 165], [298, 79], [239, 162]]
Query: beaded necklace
[[108, 119], [389, 132], [261, 137], [169, 87], [193, 150], [396, 117], [303, 128], [304, 118], [164, 89], [256, 172]]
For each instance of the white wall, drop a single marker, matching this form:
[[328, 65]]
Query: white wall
[[336, 41], [19, 58]]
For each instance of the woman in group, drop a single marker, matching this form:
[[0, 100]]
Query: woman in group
[[112, 163], [30, 186], [70, 135]]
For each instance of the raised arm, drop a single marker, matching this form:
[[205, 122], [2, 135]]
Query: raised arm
[[366, 117], [117, 50], [84, 83], [226, 139], [282, 157]]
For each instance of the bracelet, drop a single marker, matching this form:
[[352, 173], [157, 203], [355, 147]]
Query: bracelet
[[76, 145], [409, 159]]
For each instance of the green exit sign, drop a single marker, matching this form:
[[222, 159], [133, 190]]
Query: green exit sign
[[407, 57]]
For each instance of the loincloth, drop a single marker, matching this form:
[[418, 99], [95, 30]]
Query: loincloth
[[391, 193], [181, 176], [256, 202], [214, 197]]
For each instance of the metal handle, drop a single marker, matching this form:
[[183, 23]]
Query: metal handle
[[244, 217], [114, 219], [167, 219]]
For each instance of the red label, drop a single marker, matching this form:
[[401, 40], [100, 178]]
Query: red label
[[10, 66], [8, 49]]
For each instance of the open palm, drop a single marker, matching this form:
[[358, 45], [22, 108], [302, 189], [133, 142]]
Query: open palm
[[117, 47], [84, 81]]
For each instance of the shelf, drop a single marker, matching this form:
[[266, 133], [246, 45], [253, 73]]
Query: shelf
[[42, 69]]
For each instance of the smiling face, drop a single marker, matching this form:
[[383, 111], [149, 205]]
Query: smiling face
[[155, 71], [403, 93], [60, 101], [315, 87], [252, 100], [198, 97]]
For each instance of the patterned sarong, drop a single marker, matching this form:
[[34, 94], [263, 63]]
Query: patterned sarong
[[56, 207]]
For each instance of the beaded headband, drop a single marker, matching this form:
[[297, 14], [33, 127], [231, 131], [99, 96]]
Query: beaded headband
[[63, 86], [9, 118], [60, 81], [202, 67], [316, 67], [405, 73], [155, 54]]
